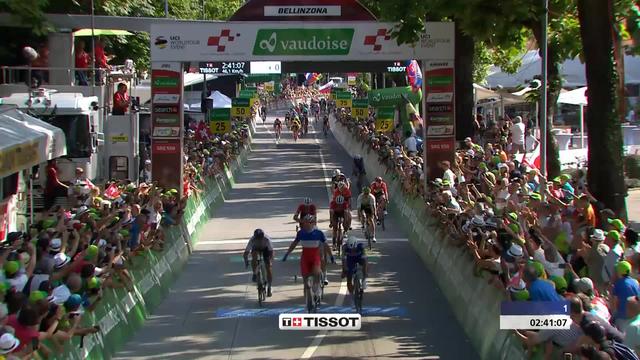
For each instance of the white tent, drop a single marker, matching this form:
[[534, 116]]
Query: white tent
[[220, 100], [572, 71], [27, 141]]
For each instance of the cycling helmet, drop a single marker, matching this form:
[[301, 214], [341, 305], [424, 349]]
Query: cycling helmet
[[379, 179], [366, 190], [341, 184], [352, 243], [258, 234], [309, 218], [340, 200], [307, 201], [336, 172]]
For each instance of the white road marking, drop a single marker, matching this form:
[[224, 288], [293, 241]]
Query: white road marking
[[317, 339], [290, 239]]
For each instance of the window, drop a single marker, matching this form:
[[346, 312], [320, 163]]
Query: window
[[9, 185], [76, 130]]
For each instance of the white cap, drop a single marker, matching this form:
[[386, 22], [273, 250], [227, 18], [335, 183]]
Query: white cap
[[147, 162], [598, 235], [515, 250], [55, 244], [8, 343], [60, 295], [60, 260]]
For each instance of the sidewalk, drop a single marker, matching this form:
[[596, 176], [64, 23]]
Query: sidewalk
[[633, 207]]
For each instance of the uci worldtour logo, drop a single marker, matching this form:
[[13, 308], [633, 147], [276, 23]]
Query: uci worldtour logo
[[303, 42]]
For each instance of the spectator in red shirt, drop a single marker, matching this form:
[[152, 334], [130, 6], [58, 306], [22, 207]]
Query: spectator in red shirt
[[101, 60], [82, 62], [121, 100], [54, 188]]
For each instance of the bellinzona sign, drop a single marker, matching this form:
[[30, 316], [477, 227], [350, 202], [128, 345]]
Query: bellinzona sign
[[295, 41]]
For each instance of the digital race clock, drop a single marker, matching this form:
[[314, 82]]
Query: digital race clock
[[224, 67]]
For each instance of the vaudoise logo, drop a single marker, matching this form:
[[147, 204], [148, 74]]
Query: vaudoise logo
[[303, 42]]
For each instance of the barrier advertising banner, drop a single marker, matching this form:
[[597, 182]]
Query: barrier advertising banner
[[440, 115]]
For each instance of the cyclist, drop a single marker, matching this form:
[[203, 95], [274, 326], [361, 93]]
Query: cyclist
[[263, 113], [277, 126], [325, 125], [306, 208], [358, 170], [313, 243], [342, 190], [353, 254], [295, 127], [366, 208], [338, 176], [379, 190], [338, 208], [259, 243], [305, 122]]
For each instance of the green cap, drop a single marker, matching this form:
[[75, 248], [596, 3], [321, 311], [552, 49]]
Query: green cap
[[561, 283], [535, 196], [521, 295], [513, 216], [514, 227], [92, 251], [623, 268], [4, 286], [496, 160], [614, 234], [565, 177], [557, 179], [11, 267], [36, 296], [93, 283], [483, 166], [616, 223], [539, 268], [49, 223], [124, 233]]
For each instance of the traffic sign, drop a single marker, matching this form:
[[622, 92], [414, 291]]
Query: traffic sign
[[384, 118], [360, 108], [241, 107], [220, 121]]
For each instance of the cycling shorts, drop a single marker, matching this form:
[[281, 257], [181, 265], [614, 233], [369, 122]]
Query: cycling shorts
[[267, 255], [309, 260], [367, 209]]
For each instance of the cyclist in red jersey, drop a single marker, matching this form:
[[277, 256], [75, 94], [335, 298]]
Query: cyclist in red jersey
[[342, 190], [306, 208], [379, 190], [339, 208]]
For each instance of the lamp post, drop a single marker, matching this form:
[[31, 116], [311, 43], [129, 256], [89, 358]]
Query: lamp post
[[543, 89]]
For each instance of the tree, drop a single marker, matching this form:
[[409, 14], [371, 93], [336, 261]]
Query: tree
[[605, 175]]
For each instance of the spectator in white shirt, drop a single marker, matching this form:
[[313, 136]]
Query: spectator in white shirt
[[530, 141], [448, 173], [145, 174], [517, 135], [411, 144]]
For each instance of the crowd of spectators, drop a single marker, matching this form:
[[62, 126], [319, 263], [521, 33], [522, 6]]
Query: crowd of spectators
[[532, 238], [86, 241]]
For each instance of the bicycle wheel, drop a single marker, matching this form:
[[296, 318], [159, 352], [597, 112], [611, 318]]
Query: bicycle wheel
[[357, 301], [261, 289]]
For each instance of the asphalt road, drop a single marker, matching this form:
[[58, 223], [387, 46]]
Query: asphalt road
[[212, 311]]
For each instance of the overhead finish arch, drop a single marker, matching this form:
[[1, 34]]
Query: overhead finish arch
[[295, 30]]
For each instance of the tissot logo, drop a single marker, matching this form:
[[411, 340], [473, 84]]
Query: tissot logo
[[320, 321]]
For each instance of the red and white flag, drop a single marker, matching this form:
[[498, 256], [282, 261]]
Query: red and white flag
[[532, 159]]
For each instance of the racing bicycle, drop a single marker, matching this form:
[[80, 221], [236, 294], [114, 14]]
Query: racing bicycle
[[358, 291], [368, 230], [313, 295], [339, 234], [261, 280], [325, 128], [380, 211], [278, 132]]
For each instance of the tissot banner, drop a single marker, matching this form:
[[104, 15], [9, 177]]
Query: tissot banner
[[290, 41]]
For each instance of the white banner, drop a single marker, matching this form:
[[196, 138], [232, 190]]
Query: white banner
[[295, 41], [308, 10]]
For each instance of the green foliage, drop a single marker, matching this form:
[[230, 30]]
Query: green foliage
[[482, 61]]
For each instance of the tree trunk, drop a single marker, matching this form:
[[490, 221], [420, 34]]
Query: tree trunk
[[554, 81], [605, 175], [465, 48]]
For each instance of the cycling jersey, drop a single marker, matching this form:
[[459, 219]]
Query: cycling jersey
[[311, 242], [379, 188], [352, 257], [304, 210], [366, 201], [296, 124], [337, 207], [345, 192], [277, 124], [259, 244]]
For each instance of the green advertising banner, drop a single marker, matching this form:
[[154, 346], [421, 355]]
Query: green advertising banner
[[303, 41], [384, 118], [241, 107], [343, 99], [220, 120], [248, 93], [393, 96]]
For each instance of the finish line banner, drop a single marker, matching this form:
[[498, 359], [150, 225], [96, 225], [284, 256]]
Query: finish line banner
[[295, 41]]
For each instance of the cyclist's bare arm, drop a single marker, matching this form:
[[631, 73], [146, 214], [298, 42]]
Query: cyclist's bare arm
[[293, 245]]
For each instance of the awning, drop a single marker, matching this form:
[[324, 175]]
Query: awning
[[27, 141], [101, 32]]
